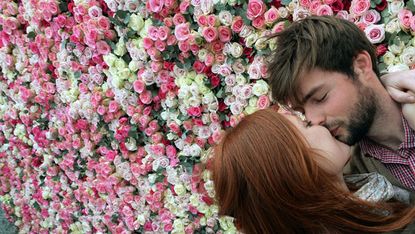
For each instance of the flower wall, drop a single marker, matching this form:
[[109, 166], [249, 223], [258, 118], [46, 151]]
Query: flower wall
[[108, 108]]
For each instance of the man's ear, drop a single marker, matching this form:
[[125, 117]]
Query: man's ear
[[362, 63]]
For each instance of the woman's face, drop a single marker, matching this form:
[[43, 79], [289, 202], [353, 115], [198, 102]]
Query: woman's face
[[335, 153]]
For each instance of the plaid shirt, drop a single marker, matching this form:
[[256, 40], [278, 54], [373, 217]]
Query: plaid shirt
[[401, 162]]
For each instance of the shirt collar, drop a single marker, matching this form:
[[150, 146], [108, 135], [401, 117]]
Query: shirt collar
[[376, 150]]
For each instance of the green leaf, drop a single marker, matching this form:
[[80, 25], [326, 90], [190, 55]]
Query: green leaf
[[31, 35], [285, 2], [121, 14], [36, 206], [77, 74], [63, 6], [410, 5], [127, 19]]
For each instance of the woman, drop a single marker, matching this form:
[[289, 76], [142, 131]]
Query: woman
[[274, 174]]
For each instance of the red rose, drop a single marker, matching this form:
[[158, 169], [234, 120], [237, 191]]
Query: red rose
[[214, 81], [381, 6], [199, 66], [337, 6], [381, 49]]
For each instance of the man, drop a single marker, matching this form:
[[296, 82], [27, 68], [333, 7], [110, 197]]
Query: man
[[326, 68]]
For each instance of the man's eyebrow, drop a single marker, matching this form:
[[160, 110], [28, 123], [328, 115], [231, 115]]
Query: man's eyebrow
[[311, 93]]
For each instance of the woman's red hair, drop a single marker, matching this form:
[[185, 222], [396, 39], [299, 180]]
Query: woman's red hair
[[266, 176]]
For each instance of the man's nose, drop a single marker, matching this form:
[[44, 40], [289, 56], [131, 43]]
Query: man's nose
[[315, 117]]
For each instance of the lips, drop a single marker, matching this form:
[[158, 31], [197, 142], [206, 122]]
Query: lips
[[333, 131]]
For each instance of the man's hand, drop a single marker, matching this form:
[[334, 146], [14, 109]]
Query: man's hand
[[398, 84]]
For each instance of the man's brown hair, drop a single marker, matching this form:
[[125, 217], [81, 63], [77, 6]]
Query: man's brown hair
[[323, 42]]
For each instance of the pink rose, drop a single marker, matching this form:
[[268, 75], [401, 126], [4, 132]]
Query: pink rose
[[225, 34], [324, 10], [210, 34], [361, 25], [412, 23], [163, 33], [375, 33], [278, 27], [145, 97], [171, 40], [147, 43], [210, 58], [178, 19], [271, 15], [160, 45], [314, 5], [194, 111], [103, 23], [220, 58], [343, 15], [211, 20], [255, 8], [371, 17], [138, 86], [237, 24], [359, 7], [113, 107], [153, 33], [182, 32], [263, 102], [170, 3], [305, 3], [184, 46], [202, 21], [94, 12], [168, 22], [155, 5], [259, 22], [184, 6], [156, 66], [404, 17], [103, 48]]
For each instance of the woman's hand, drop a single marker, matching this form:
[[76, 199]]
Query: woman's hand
[[398, 85], [408, 111]]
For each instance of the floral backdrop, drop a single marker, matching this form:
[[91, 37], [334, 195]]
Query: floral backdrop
[[108, 108]]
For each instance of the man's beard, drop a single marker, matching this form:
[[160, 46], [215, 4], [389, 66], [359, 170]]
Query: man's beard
[[362, 116]]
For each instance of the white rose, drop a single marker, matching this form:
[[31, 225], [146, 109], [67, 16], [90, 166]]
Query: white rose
[[393, 26], [396, 49], [260, 88], [395, 6], [408, 56], [388, 58], [254, 71], [236, 50], [300, 13], [136, 22], [225, 17], [283, 12], [251, 39], [238, 67], [246, 31], [179, 189], [261, 43]]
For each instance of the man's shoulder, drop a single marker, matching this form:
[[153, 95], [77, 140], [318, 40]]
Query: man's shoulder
[[362, 163]]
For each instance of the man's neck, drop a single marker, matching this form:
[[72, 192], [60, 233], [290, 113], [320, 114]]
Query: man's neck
[[387, 128]]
